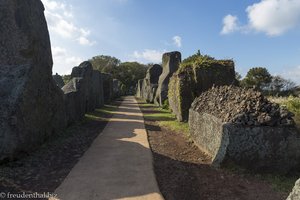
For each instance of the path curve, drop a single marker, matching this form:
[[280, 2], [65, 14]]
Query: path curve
[[118, 165]]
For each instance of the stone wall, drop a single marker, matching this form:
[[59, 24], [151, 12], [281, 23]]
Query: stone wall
[[31, 105], [241, 126], [170, 64], [190, 81]]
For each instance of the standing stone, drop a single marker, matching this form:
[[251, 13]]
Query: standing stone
[[170, 63], [139, 88], [190, 81], [31, 105], [98, 89], [116, 88], [85, 71], [58, 80], [150, 83], [107, 88]]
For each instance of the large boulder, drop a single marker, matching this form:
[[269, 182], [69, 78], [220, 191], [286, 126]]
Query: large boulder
[[239, 125], [75, 99], [193, 79], [139, 87], [170, 64], [295, 194], [31, 105], [116, 88], [84, 92], [107, 88], [58, 80], [150, 83]]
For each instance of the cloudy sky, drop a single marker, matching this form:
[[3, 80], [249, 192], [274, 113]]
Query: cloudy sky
[[253, 33]]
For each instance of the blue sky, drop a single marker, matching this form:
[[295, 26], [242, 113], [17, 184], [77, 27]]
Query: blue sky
[[253, 33]]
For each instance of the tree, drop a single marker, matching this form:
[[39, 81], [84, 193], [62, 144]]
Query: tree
[[105, 63], [257, 77]]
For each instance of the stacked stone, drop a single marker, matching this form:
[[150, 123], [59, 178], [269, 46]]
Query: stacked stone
[[107, 87], [242, 106], [242, 126]]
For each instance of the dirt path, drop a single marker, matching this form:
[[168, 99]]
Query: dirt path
[[183, 171], [118, 165]]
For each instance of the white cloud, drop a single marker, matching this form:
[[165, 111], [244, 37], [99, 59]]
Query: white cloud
[[74, 61], [293, 74], [61, 22], [177, 41], [272, 17], [230, 24], [148, 55], [58, 52]]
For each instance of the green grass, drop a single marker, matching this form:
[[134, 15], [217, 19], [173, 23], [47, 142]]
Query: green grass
[[102, 114], [165, 118]]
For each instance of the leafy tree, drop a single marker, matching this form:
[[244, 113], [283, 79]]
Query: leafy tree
[[257, 77], [105, 63], [66, 78]]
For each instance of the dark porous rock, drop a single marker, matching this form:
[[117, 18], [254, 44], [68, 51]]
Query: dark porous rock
[[191, 80], [295, 194], [150, 83], [107, 87], [97, 86], [170, 64], [86, 72], [116, 88], [58, 80], [31, 105], [75, 100], [83, 93], [241, 125]]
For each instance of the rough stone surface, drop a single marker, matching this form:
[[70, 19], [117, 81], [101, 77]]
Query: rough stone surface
[[139, 88], [150, 83], [116, 88], [107, 87], [190, 81], [84, 92], [217, 128], [31, 105], [58, 80], [242, 106], [295, 194], [170, 63], [75, 99]]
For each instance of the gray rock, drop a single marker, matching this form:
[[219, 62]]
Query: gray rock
[[230, 124], [85, 71], [58, 80], [116, 88], [83, 93], [31, 105], [75, 99], [107, 88], [139, 88], [295, 194], [170, 64], [150, 83], [190, 81]]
